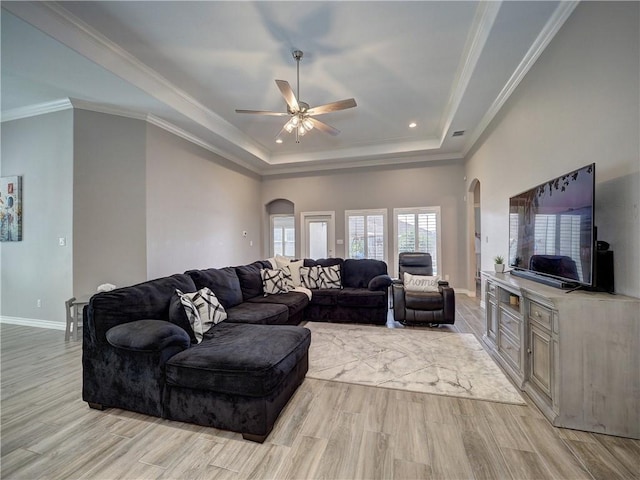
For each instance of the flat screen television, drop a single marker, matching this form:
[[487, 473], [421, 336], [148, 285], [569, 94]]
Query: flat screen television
[[551, 230]]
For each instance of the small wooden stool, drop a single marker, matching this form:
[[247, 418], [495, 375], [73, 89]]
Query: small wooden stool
[[74, 308]]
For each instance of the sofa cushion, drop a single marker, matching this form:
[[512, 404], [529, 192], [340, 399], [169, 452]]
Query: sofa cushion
[[323, 262], [420, 283], [247, 312], [325, 296], [360, 297], [240, 359], [147, 300], [294, 268], [250, 280], [203, 310], [294, 301], [276, 281], [310, 277], [223, 282], [423, 300], [178, 317], [358, 273], [330, 277]]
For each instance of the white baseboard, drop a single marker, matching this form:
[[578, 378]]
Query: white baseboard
[[464, 291], [32, 322]]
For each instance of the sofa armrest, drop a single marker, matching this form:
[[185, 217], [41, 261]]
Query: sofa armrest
[[148, 336], [380, 282]]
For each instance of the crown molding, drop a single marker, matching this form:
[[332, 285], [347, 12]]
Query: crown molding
[[105, 108], [303, 165], [175, 130], [74, 103], [407, 159], [553, 25], [483, 21], [54, 20], [35, 110], [60, 24]]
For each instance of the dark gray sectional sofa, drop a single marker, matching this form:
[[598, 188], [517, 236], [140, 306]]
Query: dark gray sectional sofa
[[140, 353]]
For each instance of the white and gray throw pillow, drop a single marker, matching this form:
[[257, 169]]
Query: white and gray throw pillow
[[276, 281], [310, 276], [330, 277], [203, 310], [421, 283]]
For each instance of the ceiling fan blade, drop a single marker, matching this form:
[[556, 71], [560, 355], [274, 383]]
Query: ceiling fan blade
[[333, 107], [323, 127], [263, 112], [288, 95]]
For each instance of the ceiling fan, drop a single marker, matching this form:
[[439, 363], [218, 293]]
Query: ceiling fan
[[301, 114]]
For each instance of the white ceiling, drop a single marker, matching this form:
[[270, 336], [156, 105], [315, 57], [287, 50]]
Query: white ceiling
[[186, 66]]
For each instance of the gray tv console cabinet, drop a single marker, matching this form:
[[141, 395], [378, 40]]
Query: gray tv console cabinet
[[577, 354]]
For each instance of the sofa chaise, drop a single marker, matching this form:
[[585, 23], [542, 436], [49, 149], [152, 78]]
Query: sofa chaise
[[140, 351]]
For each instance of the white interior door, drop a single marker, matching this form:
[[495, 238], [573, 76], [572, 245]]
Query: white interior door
[[318, 237]]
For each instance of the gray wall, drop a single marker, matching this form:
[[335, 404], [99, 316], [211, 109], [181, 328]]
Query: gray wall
[[432, 184], [132, 201], [109, 205], [577, 105], [41, 150], [198, 205]]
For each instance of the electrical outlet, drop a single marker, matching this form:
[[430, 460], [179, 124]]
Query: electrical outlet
[[62, 241], [39, 303]]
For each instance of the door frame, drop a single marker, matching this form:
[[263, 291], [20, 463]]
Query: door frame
[[331, 231]]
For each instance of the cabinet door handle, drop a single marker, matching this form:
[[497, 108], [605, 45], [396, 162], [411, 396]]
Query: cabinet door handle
[[529, 351]]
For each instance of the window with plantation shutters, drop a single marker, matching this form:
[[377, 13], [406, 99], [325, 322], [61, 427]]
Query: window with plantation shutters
[[283, 235], [418, 230], [366, 234]]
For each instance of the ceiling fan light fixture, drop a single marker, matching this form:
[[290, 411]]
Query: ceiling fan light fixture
[[307, 124], [300, 111]]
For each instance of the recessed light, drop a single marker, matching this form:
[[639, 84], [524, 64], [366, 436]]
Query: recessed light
[[413, 125], [278, 140]]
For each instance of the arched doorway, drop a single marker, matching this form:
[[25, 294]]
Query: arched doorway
[[475, 237], [282, 229]]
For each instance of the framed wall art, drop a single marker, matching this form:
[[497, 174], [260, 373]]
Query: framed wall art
[[10, 209]]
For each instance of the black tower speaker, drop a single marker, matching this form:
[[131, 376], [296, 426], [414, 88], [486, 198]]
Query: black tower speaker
[[604, 271]]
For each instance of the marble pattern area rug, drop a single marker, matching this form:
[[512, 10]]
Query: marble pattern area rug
[[414, 359]]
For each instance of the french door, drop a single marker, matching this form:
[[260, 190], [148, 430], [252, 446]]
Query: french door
[[317, 235]]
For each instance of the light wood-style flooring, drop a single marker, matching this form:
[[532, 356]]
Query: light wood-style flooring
[[328, 430]]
